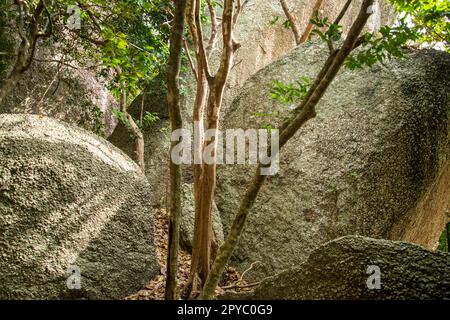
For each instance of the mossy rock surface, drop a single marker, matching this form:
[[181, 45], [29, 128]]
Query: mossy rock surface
[[374, 162], [69, 198], [346, 268]]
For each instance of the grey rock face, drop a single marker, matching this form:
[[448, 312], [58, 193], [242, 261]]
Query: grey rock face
[[156, 137], [68, 198], [188, 219], [261, 43], [344, 269], [371, 163], [72, 95]]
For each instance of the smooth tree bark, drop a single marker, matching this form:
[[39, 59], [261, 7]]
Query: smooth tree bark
[[304, 112], [173, 103], [29, 37], [310, 26], [207, 107], [196, 33]]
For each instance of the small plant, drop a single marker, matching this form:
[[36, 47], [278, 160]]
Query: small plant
[[292, 92], [333, 31], [121, 117], [444, 239], [274, 20], [92, 119], [148, 119], [268, 127]]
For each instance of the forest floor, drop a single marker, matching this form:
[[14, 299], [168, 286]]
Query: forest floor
[[154, 290]]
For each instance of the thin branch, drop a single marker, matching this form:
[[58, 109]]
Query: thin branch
[[202, 56], [176, 122], [248, 269], [241, 286], [51, 83], [21, 25], [239, 7], [191, 62], [229, 45], [193, 22], [213, 37], [236, 64], [292, 21], [35, 34], [62, 62], [91, 15], [343, 11], [310, 25], [89, 39], [48, 30]]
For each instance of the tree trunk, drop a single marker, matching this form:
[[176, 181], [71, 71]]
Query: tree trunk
[[173, 102], [205, 173], [7, 85], [27, 46], [307, 112], [138, 148], [139, 143]]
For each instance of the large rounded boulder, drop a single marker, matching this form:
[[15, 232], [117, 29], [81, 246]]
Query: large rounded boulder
[[374, 162], [75, 219], [355, 267]]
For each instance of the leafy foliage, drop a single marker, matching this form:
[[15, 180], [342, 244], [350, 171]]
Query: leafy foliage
[[421, 22], [287, 94], [148, 119], [387, 45], [292, 92], [443, 240], [333, 31], [431, 17], [126, 42], [92, 119]]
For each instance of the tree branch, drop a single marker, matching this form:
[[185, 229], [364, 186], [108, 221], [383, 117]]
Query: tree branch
[[91, 15], [241, 286], [173, 103], [292, 21], [239, 8], [306, 113], [213, 37], [343, 11], [310, 25], [191, 62], [229, 46], [21, 25]]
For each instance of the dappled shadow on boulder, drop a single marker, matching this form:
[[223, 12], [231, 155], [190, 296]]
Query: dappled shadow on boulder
[[70, 200]]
